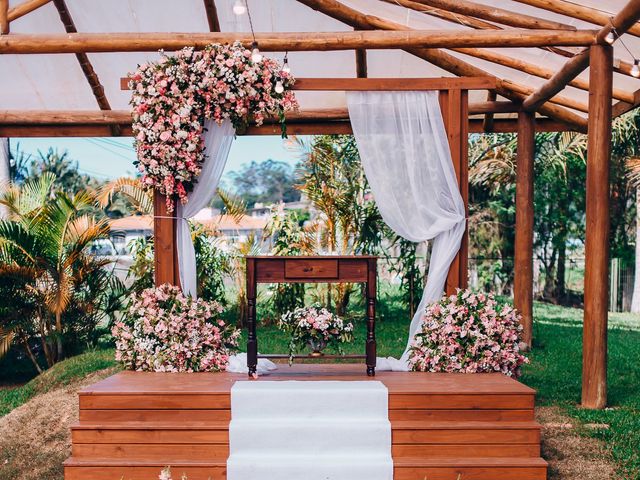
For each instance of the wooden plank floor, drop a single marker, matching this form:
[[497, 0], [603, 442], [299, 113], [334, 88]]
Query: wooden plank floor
[[478, 426]]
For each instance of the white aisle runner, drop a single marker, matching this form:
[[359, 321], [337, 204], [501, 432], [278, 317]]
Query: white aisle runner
[[309, 430]]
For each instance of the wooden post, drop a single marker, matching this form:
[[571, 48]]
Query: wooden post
[[372, 276], [164, 242], [454, 105], [4, 17], [523, 265], [596, 276]]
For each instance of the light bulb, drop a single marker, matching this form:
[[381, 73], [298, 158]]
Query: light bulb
[[285, 67], [239, 8], [635, 70], [256, 56], [610, 38], [279, 87]]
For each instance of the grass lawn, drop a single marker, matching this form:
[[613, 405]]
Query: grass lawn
[[61, 374], [555, 371]]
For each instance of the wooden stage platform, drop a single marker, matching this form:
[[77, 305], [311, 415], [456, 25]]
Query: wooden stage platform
[[444, 426]]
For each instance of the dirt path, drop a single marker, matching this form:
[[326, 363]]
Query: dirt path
[[571, 456]]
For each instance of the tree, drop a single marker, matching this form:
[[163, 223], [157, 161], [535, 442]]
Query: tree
[[266, 182], [44, 259]]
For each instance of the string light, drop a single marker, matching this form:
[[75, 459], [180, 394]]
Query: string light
[[256, 56], [635, 70], [610, 38], [285, 63], [280, 88], [239, 7]]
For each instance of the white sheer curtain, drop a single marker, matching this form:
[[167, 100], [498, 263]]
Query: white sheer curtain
[[217, 143], [405, 153]]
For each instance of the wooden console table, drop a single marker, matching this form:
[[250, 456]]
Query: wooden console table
[[312, 269]]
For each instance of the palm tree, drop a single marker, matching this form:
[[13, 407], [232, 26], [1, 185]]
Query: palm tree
[[44, 244]]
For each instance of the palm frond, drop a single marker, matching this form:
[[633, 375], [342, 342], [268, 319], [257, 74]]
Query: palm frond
[[6, 340], [132, 189], [234, 206]]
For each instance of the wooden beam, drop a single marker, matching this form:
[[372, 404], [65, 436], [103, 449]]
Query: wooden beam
[[596, 275], [361, 63], [212, 15], [269, 42], [306, 127], [494, 14], [4, 17], [487, 123], [534, 69], [620, 66], [369, 84], [620, 108], [85, 64], [447, 62], [523, 262], [557, 82], [164, 243], [624, 20], [558, 99], [581, 12], [24, 8], [456, 18]]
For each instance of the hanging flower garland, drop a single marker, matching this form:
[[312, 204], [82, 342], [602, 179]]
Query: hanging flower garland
[[174, 96]]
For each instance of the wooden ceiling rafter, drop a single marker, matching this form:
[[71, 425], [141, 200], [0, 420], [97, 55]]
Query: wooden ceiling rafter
[[495, 14], [4, 17], [579, 12], [292, 41], [212, 15], [85, 64], [621, 67], [24, 8], [624, 19], [487, 122], [447, 62]]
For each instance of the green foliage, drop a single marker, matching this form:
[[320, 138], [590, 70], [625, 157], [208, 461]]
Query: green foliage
[[212, 265], [141, 269], [59, 375], [555, 372], [266, 182], [407, 266], [60, 290]]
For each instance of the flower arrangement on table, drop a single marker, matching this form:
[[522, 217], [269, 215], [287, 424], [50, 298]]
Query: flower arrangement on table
[[468, 332], [174, 96], [167, 331], [315, 327]]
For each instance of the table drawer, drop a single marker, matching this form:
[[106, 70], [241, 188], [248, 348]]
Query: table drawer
[[300, 268]]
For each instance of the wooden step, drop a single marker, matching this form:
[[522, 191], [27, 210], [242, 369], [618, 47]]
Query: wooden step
[[467, 468], [187, 417], [141, 433], [408, 432], [479, 468], [468, 450], [170, 453], [485, 415]]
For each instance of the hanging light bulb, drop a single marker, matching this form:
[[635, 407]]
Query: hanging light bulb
[[279, 87], [285, 65], [256, 56], [239, 8], [635, 70], [610, 38]]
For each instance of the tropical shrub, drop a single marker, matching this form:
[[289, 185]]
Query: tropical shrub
[[167, 331], [52, 291], [468, 332]]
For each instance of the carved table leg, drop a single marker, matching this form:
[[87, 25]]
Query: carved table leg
[[252, 339], [371, 319]]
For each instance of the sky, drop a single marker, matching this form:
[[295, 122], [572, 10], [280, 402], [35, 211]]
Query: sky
[[108, 158]]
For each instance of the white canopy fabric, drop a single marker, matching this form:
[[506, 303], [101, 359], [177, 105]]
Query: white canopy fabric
[[55, 82]]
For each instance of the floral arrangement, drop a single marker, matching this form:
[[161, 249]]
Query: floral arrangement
[[468, 332], [174, 96], [315, 327], [166, 331]]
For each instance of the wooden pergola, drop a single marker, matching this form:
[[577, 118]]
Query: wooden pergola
[[468, 47]]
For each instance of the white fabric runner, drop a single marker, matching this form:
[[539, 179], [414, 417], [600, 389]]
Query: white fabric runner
[[405, 154], [217, 143], [309, 430]]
